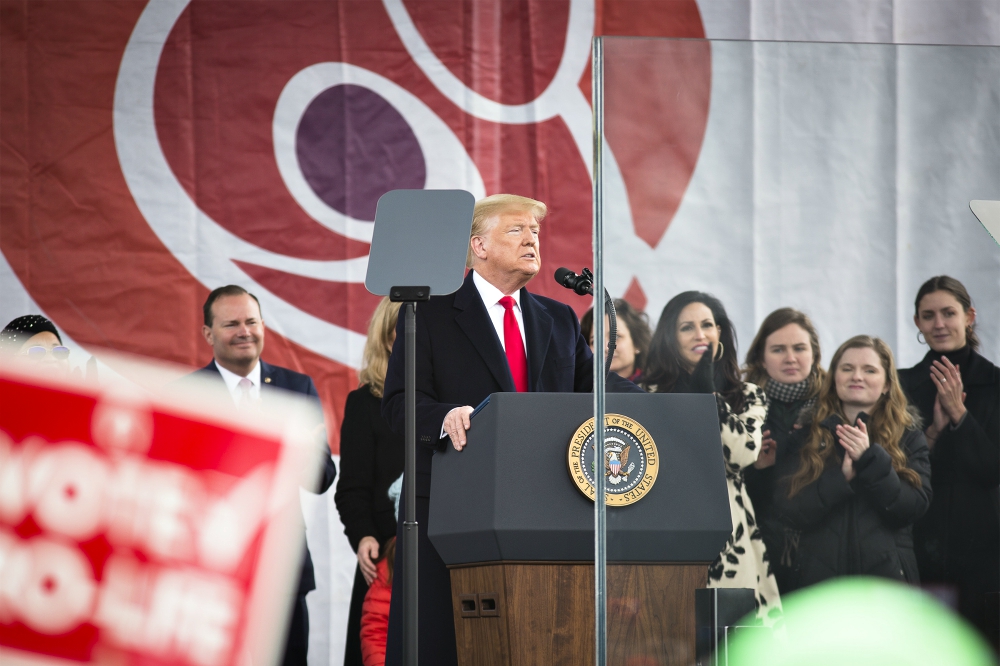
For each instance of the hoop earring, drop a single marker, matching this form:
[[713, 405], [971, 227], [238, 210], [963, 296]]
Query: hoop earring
[[923, 342], [719, 354]]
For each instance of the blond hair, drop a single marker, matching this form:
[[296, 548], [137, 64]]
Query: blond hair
[[889, 419], [378, 346], [490, 208]]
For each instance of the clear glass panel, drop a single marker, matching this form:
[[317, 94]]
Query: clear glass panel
[[832, 178]]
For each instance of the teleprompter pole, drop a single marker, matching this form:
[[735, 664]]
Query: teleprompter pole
[[409, 296], [419, 246], [410, 527]]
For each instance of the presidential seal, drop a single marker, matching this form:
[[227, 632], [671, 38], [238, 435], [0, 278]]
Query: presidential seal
[[630, 460]]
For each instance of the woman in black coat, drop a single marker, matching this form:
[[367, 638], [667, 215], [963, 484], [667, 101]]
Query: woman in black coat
[[784, 360], [858, 477], [371, 458], [958, 394]]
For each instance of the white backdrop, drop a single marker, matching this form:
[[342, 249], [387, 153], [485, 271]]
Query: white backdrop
[[834, 178], [844, 225]]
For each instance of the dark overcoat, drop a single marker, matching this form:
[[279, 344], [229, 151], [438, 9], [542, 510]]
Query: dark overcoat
[[460, 361], [958, 541], [779, 539], [371, 459], [862, 527]]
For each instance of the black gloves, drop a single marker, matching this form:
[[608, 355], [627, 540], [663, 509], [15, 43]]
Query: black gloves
[[703, 376]]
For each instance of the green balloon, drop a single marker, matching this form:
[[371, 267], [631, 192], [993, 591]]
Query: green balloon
[[860, 621]]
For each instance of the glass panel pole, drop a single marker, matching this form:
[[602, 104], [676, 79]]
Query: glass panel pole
[[600, 526]]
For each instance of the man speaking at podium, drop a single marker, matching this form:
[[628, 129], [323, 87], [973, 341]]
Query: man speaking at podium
[[491, 335]]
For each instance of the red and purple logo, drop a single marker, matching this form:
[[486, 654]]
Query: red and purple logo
[[153, 151]]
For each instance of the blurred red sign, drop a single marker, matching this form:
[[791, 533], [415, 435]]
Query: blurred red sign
[[140, 530]]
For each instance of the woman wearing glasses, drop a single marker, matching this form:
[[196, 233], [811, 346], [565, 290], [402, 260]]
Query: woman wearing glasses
[[35, 337]]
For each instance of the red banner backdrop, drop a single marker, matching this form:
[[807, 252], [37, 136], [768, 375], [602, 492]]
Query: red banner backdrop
[[77, 228]]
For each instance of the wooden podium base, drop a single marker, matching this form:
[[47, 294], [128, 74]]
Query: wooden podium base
[[514, 613]]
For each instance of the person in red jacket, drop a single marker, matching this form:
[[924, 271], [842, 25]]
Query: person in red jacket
[[375, 611]]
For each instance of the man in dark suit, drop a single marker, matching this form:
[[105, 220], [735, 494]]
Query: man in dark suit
[[491, 335], [234, 328]]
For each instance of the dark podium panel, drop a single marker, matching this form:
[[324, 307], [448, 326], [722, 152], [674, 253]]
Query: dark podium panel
[[518, 536], [509, 495]]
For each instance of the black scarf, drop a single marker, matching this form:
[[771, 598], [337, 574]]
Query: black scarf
[[782, 392]]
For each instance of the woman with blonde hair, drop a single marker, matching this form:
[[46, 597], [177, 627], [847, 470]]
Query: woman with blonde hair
[[858, 477], [784, 360], [371, 458]]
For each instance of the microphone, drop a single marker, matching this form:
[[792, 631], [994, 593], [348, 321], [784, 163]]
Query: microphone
[[584, 285], [581, 284]]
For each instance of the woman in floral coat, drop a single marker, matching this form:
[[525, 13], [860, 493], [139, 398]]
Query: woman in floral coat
[[694, 351]]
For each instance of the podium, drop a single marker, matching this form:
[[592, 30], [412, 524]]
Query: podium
[[518, 535]]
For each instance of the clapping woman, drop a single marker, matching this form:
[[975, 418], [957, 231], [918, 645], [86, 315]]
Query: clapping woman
[[958, 394], [371, 458], [694, 351], [856, 480], [784, 360]]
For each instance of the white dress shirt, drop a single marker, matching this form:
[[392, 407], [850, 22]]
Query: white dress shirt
[[233, 383], [491, 299]]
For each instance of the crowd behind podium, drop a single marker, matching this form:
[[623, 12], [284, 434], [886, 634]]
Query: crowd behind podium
[[859, 468], [862, 468]]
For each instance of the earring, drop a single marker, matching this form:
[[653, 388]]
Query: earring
[[923, 342], [721, 352]]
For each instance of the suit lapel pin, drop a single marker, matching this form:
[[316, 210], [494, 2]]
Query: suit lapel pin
[[267, 380]]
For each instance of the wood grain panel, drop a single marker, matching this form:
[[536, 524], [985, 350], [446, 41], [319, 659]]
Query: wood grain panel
[[554, 618], [547, 613], [481, 641], [651, 616]]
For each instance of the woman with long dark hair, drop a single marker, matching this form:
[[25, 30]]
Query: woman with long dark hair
[[694, 351], [856, 479], [958, 394], [784, 360], [371, 458], [633, 338]]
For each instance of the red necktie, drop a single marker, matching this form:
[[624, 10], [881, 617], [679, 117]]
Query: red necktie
[[514, 345]]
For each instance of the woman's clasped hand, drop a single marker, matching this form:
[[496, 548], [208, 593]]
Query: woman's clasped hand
[[854, 439]]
